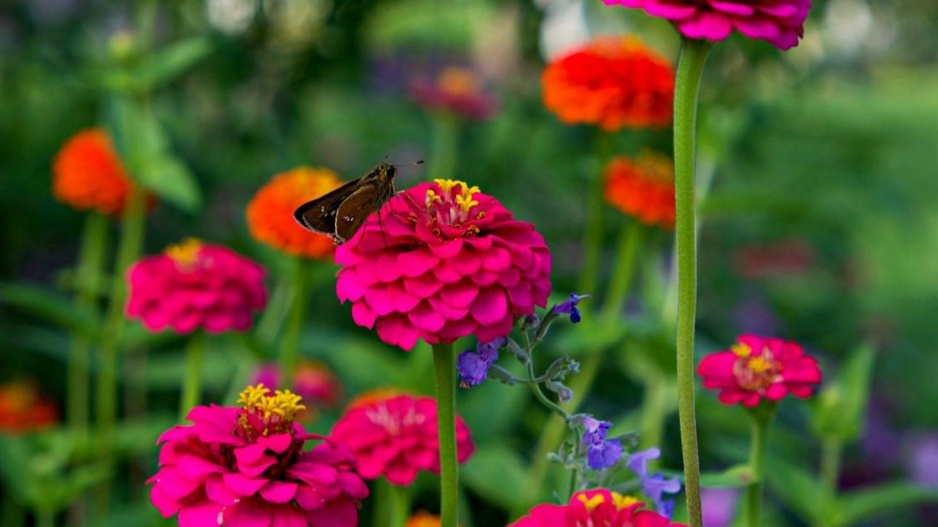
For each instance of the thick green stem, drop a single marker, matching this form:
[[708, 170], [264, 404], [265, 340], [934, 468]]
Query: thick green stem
[[128, 250], [831, 450], [444, 366], [192, 382], [89, 269], [595, 208], [629, 241], [445, 141], [687, 83], [290, 345], [761, 419], [397, 505]]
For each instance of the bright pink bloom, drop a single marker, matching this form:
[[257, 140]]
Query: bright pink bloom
[[780, 22], [442, 261], [595, 507], [194, 285], [395, 436], [247, 467], [759, 367]]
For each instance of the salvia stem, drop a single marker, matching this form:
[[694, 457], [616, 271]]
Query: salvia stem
[[444, 366], [687, 83], [90, 267]]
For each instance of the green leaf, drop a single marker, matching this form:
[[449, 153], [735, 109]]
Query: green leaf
[[733, 477], [171, 62], [497, 474], [840, 409], [168, 178], [867, 504], [49, 306], [793, 485]]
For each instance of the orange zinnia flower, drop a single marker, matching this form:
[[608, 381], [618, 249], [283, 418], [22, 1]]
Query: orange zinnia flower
[[88, 174], [423, 519], [643, 187], [270, 212], [24, 409], [612, 82]]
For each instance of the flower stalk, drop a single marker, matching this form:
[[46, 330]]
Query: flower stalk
[[761, 419], [444, 366], [690, 66], [192, 383], [289, 346]]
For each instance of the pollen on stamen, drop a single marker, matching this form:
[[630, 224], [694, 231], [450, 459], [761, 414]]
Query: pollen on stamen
[[253, 397], [186, 252]]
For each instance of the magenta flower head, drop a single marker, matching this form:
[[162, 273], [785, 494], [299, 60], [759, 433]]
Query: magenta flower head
[[247, 466], [394, 434], [758, 368], [779, 22], [194, 285], [595, 507], [442, 261]]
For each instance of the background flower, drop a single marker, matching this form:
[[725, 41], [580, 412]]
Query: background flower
[[642, 187], [24, 409], [313, 381], [423, 519], [759, 367], [595, 507], [396, 437], [456, 90], [87, 174], [270, 212], [440, 262], [194, 285], [780, 22], [247, 466], [612, 83]]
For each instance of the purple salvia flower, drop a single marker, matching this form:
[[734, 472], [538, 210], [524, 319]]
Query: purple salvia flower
[[569, 307], [473, 365]]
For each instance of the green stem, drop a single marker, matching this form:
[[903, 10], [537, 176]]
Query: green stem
[[596, 207], [444, 366], [657, 404], [687, 83], [290, 345], [761, 418], [445, 139], [830, 472], [128, 250], [192, 382], [629, 241], [398, 505], [90, 267]]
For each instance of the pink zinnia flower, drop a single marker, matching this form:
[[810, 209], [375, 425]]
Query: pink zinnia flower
[[457, 91], [759, 367], [595, 507], [780, 22], [194, 285], [442, 261], [395, 435], [246, 467]]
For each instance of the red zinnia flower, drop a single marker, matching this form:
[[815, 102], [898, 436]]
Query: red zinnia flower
[[396, 436], [458, 91], [643, 188], [780, 22], [612, 82], [194, 285], [595, 507], [442, 261], [270, 212], [24, 409], [759, 367], [246, 466], [89, 175]]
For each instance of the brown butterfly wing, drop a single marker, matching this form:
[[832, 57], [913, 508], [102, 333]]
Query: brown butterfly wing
[[319, 214], [353, 212]]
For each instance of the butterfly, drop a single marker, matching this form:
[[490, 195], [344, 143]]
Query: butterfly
[[340, 213]]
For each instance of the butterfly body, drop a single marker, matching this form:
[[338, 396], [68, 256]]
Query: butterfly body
[[342, 212]]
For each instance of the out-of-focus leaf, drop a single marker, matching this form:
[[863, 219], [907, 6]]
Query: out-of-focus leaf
[[733, 477], [591, 335], [497, 474], [156, 69], [840, 410], [49, 306], [867, 504], [794, 485], [144, 148], [139, 514], [139, 436]]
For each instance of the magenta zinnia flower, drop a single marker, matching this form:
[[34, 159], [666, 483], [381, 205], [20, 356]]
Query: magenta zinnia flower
[[247, 467], [194, 285], [395, 435], [780, 22], [442, 261], [595, 507], [757, 368]]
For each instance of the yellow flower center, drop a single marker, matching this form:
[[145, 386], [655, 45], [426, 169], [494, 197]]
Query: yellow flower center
[[755, 372], [451, 205], [281, 407], [185, 253], [618, 500]]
